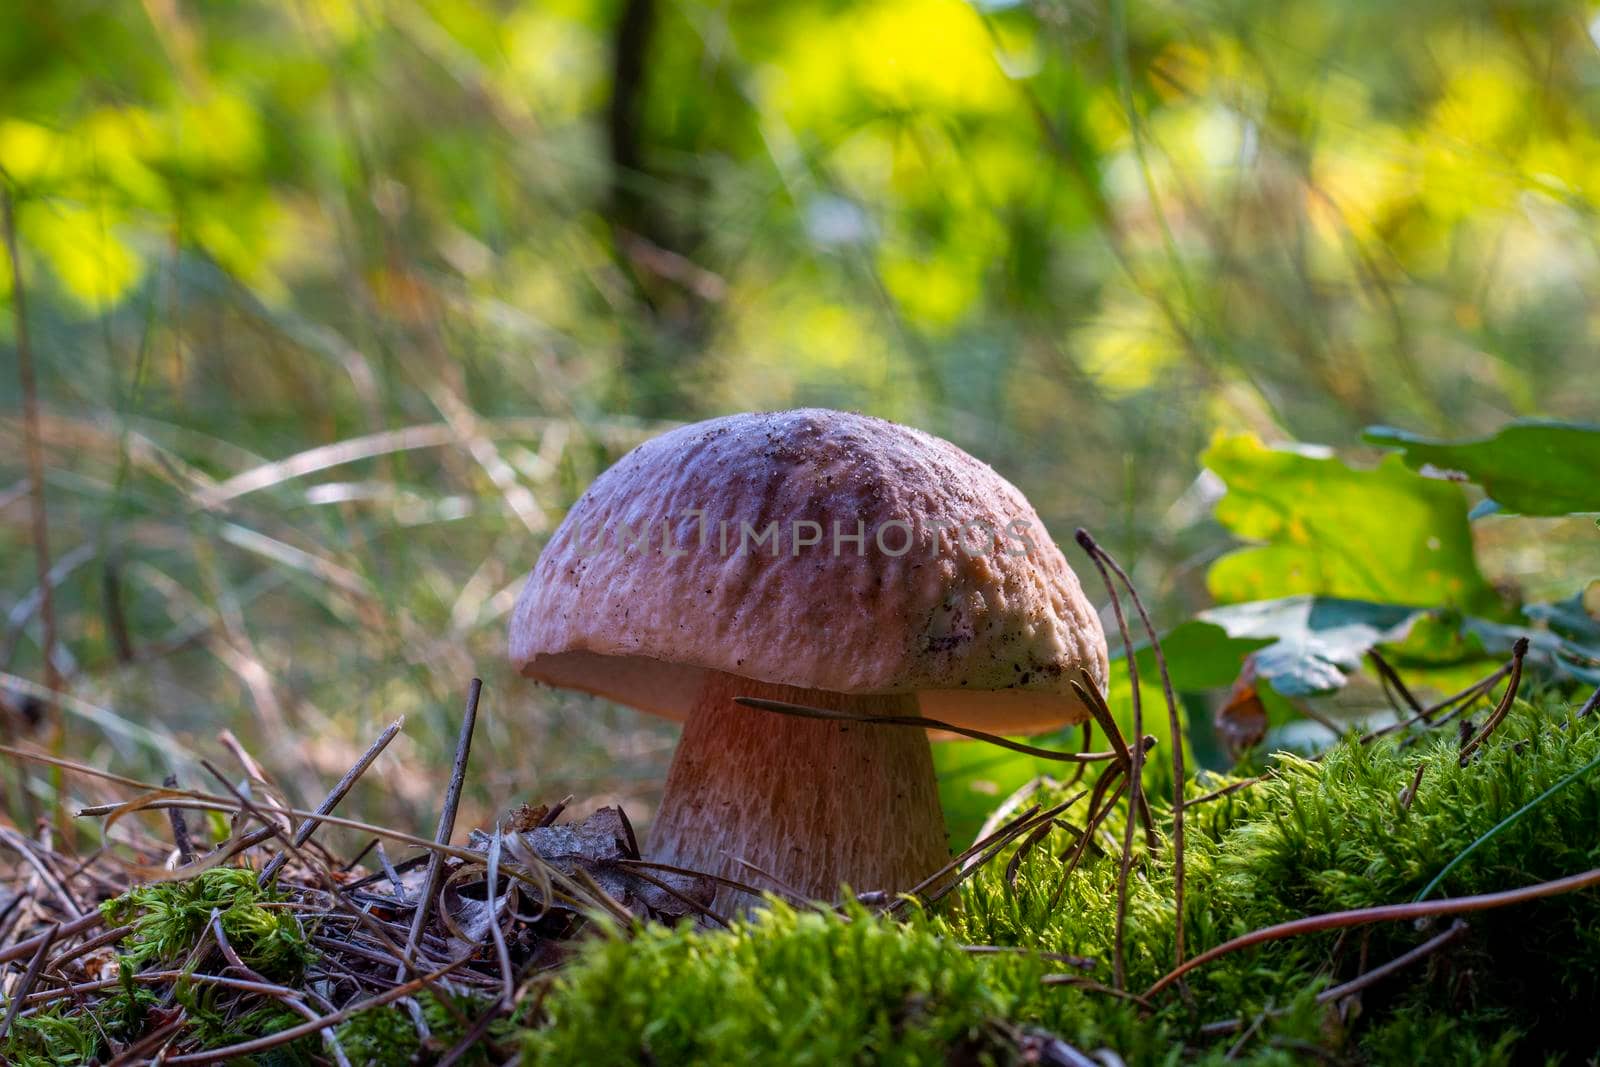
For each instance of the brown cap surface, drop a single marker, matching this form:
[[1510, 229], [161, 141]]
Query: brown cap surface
[[987, 625]]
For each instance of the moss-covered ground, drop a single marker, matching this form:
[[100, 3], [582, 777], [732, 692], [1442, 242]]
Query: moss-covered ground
[[1356, 828], [1315, 837]]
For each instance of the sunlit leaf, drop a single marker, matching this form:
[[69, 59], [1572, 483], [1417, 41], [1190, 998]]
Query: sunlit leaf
[[1126, 348], [32, 153], [934, 291], [894, 56], [1531, 467], [1386, 535], [83, 250], [220, 133]]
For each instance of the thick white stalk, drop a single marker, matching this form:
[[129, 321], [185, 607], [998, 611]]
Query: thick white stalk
[[814, 803]]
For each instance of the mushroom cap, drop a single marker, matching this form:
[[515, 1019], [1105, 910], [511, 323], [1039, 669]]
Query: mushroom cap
[[955, 591]]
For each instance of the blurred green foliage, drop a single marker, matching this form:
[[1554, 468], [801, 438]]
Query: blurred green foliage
[[337, 305]]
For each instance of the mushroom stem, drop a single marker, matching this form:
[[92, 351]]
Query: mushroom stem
[[813, 803]]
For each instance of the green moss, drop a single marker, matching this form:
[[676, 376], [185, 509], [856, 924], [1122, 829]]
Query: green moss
[[383, 1036], [1321, 836], [169, 917], [62, 1033], [55, 1036], [805, 988], [386, 1037], [1413, 1035], [213, 1026], [785, 988]]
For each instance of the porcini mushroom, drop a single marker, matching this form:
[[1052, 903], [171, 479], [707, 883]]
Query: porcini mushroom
[[817, 558]]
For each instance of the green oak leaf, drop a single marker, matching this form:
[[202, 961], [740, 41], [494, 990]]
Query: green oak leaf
[[1530, 466], [1576, 618], [1384, 534], [1310, 644], [1306, 645], [1302, 644], [1200, 655], [1549, 652]]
